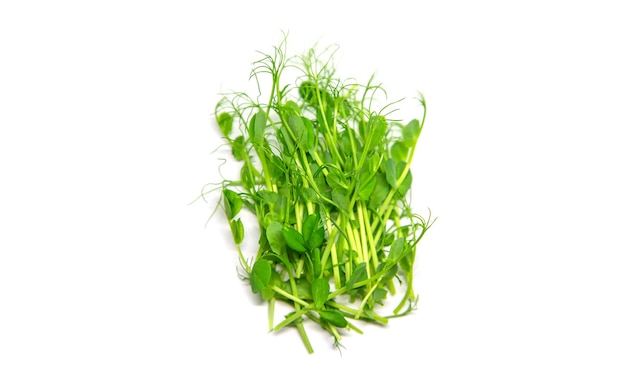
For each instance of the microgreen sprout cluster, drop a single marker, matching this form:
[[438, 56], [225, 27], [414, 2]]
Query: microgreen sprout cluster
[[326, 171]]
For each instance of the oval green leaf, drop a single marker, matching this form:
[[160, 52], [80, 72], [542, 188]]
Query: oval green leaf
[[299, 130], [340, 200], [333, 317], [399, 151], [274, 234], [310, 224], [261, 275], [238, 146], [225, 122], [232, 203], [310, 134], [390, 172], [320, 290], [257, 127], [317, 262], [396, 251], [367, 184], [359, 274], [294, 239], [380, 192], [378, 129], [317, 239], [405, 185], [236, 228], [411, 132], [308, 195]]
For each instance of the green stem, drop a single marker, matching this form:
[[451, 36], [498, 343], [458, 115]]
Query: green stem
[[293, 317], [243, 260], [289, 296], [368, 229], [270, 315], [331, 250], [365, 299]]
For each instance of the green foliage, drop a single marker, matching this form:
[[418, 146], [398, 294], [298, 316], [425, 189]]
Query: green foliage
[[335, 318], [225, 122], [236, 228], [260, 276], [274, 235], [320, 289], [411, 133], [257, 127], [327, 176], [294, 239], [359, 275], [396, 252]]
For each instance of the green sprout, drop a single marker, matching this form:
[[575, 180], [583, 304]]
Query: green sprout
[[327, 173]]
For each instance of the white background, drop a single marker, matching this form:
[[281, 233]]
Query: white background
[[106, 137]]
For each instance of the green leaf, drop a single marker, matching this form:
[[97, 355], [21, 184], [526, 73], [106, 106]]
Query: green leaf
[[359, 274], [310, 134], [388, 240], [405, 185], [411, 132], [247, 177], [320, 290], [291, 107], [269, 196], [374, 161], [294, 239], [276, 167], [333, 317], [308, 91], [380, 192], [317, 239], [257, 127], [299, 130], [317, 262], [271, 217], [310, 224], [378, 129], [308, 195], [285, 139], [348, 164], [320, 185], [367, 183], [261, 275], [396, 252], [236, 228], [337, 180], [406, 263], [277, 258], [346, 144], [390, 274], [239, 148], [390, 172], [282, 205], [225, 122], [232, 203], [303, 289], [378, 295], [340, 200], [275, 238], [267, 293], [399, 151], [312, 233]]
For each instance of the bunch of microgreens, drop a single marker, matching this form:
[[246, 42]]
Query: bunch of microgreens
[[327, 177]]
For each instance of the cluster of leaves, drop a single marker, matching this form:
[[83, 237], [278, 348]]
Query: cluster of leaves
[[328, 179]]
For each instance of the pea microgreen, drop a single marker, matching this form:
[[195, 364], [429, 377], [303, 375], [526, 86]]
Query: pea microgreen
[[326, 171]]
